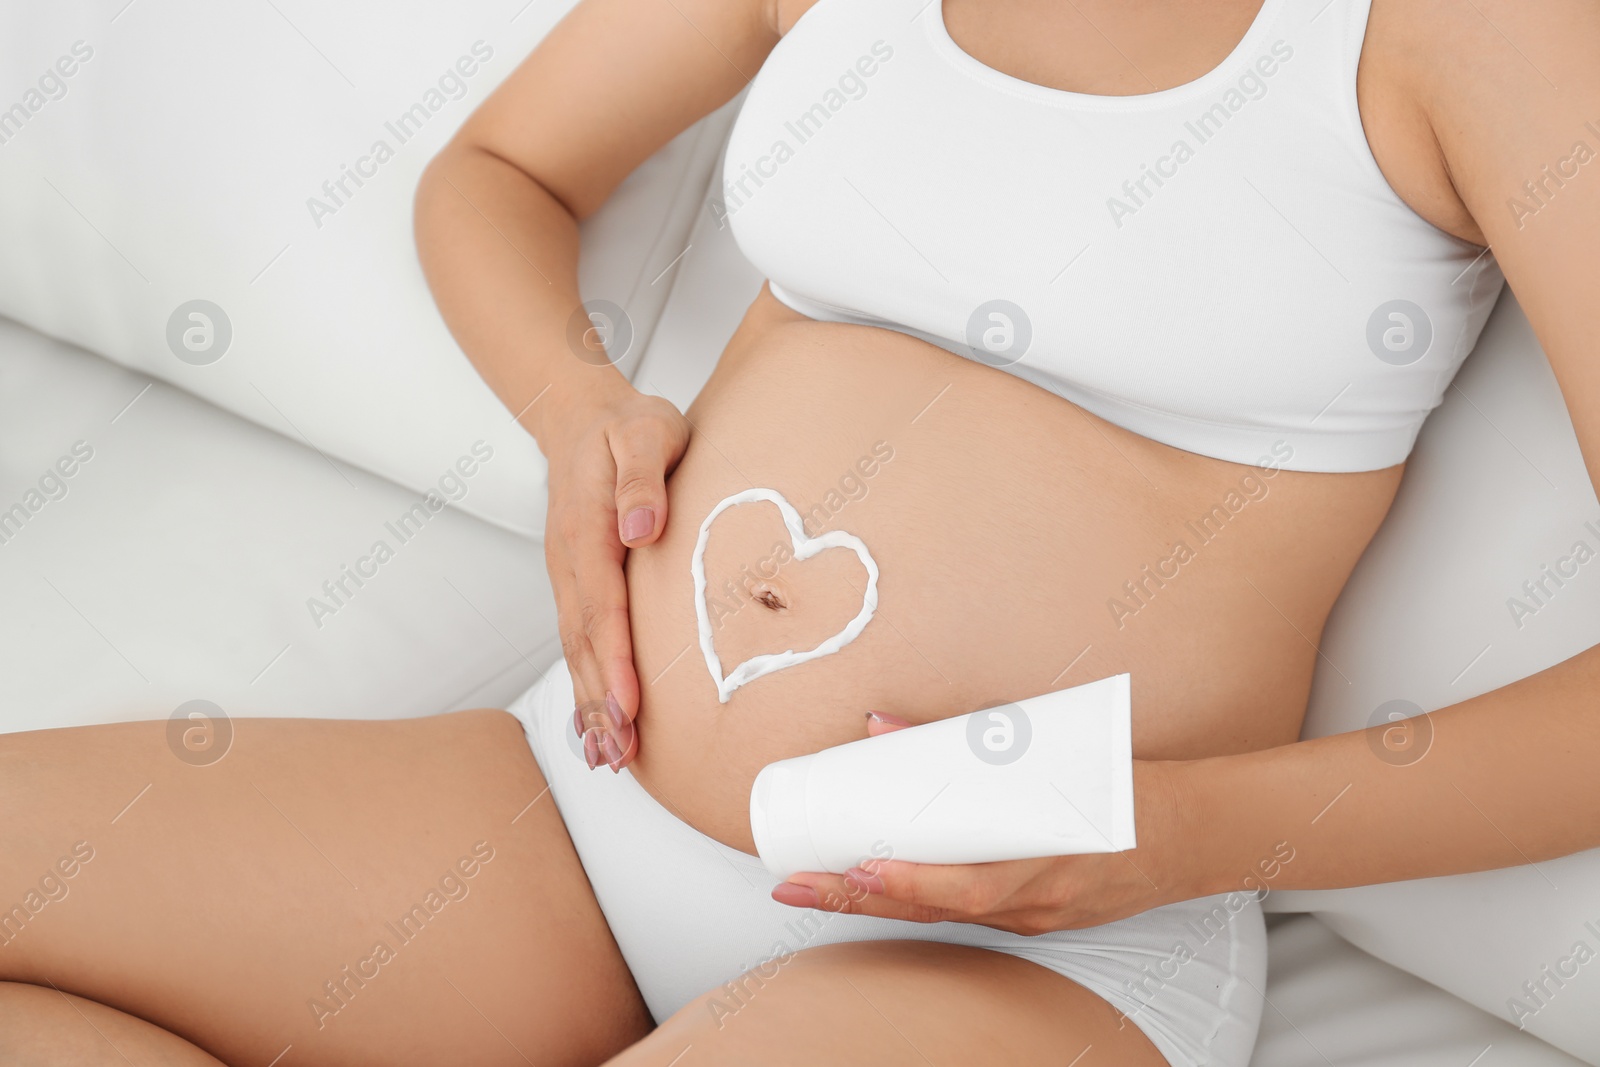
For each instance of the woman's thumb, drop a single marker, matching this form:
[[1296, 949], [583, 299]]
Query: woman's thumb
[[641, 489], [881, 722]]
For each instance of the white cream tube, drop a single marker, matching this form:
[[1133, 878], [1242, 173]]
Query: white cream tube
[[1048, 776]]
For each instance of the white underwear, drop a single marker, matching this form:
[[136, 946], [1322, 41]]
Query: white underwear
[[1189, 975]]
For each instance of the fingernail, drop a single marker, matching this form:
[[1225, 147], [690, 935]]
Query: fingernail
[[886, 719], [639, 522], [796, 896], [869, 881], [620, 726], [577, 720], [613, 754], [591, 749]]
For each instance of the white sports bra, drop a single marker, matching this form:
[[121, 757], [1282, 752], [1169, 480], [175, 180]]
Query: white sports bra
[[1220, 267]]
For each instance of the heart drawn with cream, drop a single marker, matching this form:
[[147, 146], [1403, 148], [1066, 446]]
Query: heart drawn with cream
[[804, 548]]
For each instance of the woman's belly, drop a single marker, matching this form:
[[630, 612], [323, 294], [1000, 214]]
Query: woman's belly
[[1023, 545]]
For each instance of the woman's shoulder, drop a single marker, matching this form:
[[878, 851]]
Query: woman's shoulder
[[1446, 84]]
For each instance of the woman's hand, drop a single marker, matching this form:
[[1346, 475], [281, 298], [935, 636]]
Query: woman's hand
[[1024, 896], [609, 457]]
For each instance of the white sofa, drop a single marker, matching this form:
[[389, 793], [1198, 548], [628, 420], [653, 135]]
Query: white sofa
[[181, 558]]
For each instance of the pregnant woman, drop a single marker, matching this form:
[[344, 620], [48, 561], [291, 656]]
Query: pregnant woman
[[1108, 329]]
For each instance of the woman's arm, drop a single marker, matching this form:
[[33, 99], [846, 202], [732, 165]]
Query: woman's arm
[[497, 210], [497, 215], [1502, 779]]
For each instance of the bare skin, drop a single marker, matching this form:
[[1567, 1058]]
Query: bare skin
[[220, 901], [46, 1026], [1033, 549]]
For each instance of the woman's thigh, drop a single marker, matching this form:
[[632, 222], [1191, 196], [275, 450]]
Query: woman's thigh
[[887, 1003], [42, 1027], [351, 892]]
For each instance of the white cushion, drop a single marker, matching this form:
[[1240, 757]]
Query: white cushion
[[1331, 1005], [177, 162], [1496, 490], [178, 561], [714, 287]]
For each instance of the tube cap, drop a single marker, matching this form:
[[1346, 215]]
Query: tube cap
[[778, 818]]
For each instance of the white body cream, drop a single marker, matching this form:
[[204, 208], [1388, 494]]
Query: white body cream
[[1048, 776], [804, 548]]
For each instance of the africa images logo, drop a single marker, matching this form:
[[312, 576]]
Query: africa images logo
[[1252, 85], [451, 85]]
